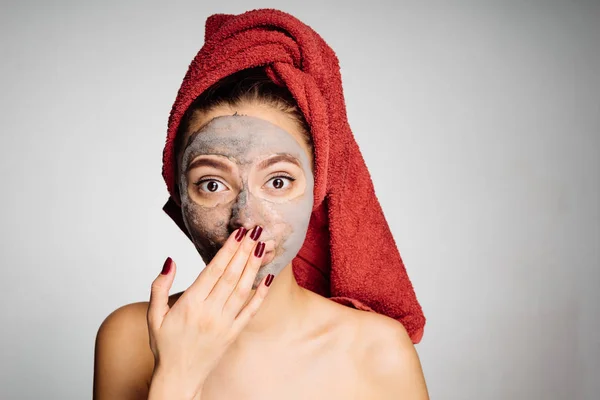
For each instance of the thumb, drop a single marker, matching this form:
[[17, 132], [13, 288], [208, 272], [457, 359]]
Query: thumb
[[159, 295]]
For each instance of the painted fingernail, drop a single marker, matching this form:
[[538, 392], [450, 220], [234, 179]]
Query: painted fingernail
[[255, 234], [240, 234], [260, 249], [269, 280], [167, 266]]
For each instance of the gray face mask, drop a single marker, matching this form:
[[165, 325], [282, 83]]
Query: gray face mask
[[245, 171]]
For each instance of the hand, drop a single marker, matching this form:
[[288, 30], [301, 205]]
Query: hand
[[189, 338]]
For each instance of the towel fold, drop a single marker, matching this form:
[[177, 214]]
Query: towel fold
[[349, 254]]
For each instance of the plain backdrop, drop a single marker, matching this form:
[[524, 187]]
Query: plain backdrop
[[479, 121]]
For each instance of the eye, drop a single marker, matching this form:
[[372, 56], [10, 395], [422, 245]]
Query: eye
[[210, 185], [280, 182]]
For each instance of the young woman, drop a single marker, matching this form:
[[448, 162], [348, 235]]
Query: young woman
[[245, 169]]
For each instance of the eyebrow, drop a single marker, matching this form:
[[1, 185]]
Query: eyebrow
[[279, 158], [208, 162]]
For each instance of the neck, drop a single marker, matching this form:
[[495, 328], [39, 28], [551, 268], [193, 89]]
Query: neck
[[282, 312]]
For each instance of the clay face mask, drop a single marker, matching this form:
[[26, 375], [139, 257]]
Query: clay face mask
[[245, 171]]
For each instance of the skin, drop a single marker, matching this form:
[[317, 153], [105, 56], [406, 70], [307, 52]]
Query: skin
[[240, 170], [298, 346]]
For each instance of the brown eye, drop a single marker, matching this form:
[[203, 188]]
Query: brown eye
[[280, 182], [211, 186]]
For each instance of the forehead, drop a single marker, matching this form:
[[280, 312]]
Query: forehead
[[240, 134], [242, 138]]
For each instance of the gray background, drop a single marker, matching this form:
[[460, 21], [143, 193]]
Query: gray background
[[480, 123]]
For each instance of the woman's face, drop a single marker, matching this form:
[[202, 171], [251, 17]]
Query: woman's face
[[249, 169]]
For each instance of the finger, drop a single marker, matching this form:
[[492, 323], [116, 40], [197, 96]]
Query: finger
[[242, 291], [159, 295], [230, 278], [253, 305], [209, 276]]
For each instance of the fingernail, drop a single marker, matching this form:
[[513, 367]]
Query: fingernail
[[167, 266], [255, 234], [240, 234], [269, 280], [259, 250]]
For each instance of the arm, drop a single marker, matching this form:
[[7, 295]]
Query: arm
[[164, 386]]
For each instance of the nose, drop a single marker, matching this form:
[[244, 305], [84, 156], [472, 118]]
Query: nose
[[243, 213]]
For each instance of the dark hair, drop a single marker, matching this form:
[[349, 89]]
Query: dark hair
[[247, 86]]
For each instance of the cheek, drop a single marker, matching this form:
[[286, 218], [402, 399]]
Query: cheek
[[208, 227], [289, 223]]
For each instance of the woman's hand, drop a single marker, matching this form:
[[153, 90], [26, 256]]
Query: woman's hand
[[189, 338]]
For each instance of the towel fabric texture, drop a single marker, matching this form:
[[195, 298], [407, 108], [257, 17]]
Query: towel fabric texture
[[349, 254]]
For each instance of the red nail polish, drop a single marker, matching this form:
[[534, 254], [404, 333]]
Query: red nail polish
[[259, 250], [167, 266], [255, 234], [269, 280], [240, 234]]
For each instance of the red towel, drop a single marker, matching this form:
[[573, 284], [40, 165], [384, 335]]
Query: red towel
[[349, 253]]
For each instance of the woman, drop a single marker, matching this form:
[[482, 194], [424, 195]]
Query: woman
[[246, 167]]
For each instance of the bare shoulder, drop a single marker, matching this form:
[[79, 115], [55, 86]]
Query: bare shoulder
[[123, 361], [385, 359], [389, 357]]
